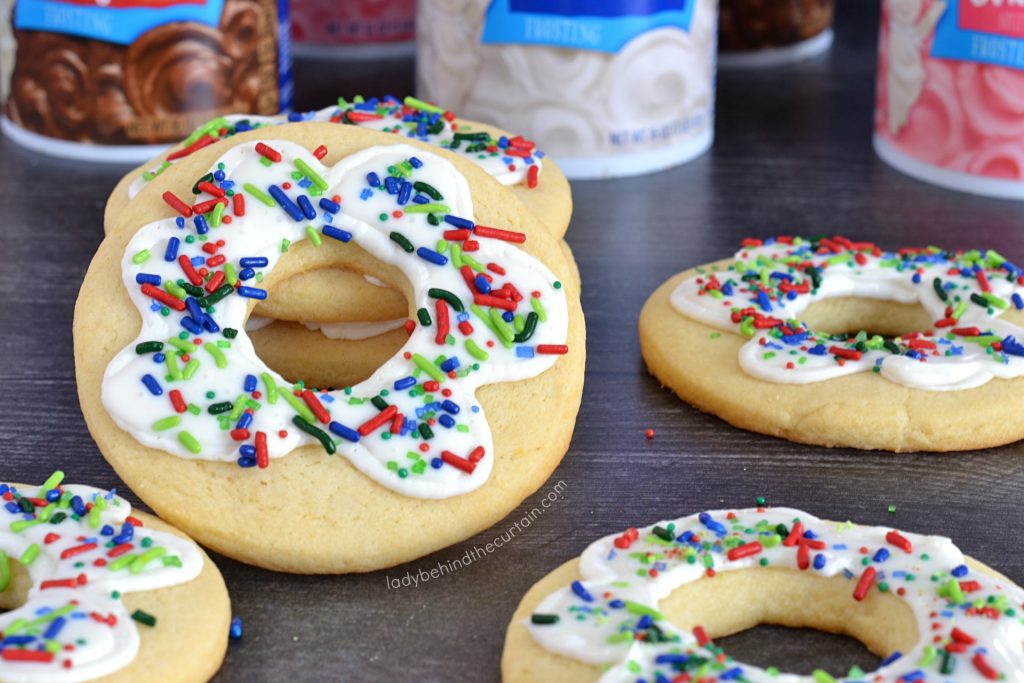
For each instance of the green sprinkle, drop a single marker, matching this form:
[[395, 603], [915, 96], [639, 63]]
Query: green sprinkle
[[140, 256], [428, 367], [144, 617], [190, 368], [476, 351], [298, 405], [311, 174], [217, 214], [182, 345], [538, 308], [453, 301], [189, 442], [500, 326], [271, 387], [166, 423], [30, 555], [259, 194], [5, 572], [940, 290], [174, 290], [149, 347], [140, 562], [822, 676], [427, 189], [52, 482], [122, 562], [995, 301], [218, 355], [415, 103], [424, 317], [426, 208], [230, 274], [313, 235], [320, 435], [400, 239]]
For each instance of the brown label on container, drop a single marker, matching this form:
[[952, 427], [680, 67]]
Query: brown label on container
[[171, 78]]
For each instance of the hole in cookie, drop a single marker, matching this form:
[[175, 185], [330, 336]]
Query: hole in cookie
[[849, 315], [336, 354], [742, 602], [15, 594], [791, 650]]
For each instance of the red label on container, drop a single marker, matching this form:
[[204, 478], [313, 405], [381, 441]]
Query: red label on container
[[1002, 17]]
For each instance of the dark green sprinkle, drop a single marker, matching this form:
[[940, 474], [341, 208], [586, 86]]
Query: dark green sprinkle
[[891, 346], [433, 220], [26, 505], [144, 617], [427, 189], [400, 239], [230, 332], [528, 328], [861, 346], [424, 316], [662, 533], [815, 276], [379, 403], [320, 435], [425, 431], [453, 301], [149, 347], [58, 517], [192, 289], [940, 290], [948, 663], [218, 408], [475, 137], [219, 294], [544, 619], [437, 127], [781, 530], [980, 300]]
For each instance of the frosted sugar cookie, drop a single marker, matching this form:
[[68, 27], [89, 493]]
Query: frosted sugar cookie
[[445, 438], [644, 605], [841, 343], [95, 591]]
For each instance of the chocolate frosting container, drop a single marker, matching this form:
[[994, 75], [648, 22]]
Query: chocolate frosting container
[[118, 81], [949, 106], [608, 89], [767, 33]]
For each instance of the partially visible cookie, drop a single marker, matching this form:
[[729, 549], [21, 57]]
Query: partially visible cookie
[[99, 592]]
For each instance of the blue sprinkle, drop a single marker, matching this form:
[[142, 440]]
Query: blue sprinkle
[[776, 275], [912, 676], [391, 185], [482, 284], [198, 261], [420, 199], [450, 364], [727, 289], [286, 203], [337, 233], [194, 309], [246, 274], [458, 222], [247, 461], [415, 163], [254, 262], [251, 292], [436, 463], [235, 632], [616, 604], [916, 279], [881, 556], [432, 256], [732, 673], [1012, 346], [151, 384], [248, 450], [446, 421], [581, 592], [78, 505], [209, 324], [202, 227], [959, 571], [219, 176], [450, 406], [404, 193], [244, 421], [763, 301], [344, 432], [52, 496], [294, 116], [1018, 302], [171, 253], [524, 352], [250, 383], [191, 325], [404, 383], [373, 179], [180, 222], [644, 622], [819, 350], [671, 659], [819, 561], [890, 659], [54, 628], [307, 207], [366, 194], [329, 206], [107, 530], [148, 278]]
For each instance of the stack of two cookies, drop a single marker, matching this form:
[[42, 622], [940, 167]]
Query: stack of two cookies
[[419, 363]]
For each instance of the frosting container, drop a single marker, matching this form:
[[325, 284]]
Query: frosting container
[[353, 29], [767, 33], [949, 105], [608, 89], [116, 80]]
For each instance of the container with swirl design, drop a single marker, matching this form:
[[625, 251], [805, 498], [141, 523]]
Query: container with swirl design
[[115, 80], [608, 89]]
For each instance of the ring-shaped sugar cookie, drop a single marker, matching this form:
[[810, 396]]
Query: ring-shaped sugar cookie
[[174, 402], [644, 605], [97, 592], [741, 339]]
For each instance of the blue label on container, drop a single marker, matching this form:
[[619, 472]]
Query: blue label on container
[[119, 21], [959, 35], [582, 24], [284, 56]]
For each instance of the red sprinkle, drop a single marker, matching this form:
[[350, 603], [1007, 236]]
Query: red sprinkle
[[176, 204], [895, 538], [186, 265], [239, 204], [443, 325], [163, 297], [262, 456], [455, 461], [195, 146], [701, 635], [864, 584], [507, 235], [984, 668], [210, 188], [532, 175], [268, 152], [745, 550], [314, 404], [177, 401], [377, 420], [16, 655], [848, 354], [557, 349], [320, 152], [77, 550]]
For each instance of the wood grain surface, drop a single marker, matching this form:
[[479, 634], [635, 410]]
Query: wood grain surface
[[792, 155]]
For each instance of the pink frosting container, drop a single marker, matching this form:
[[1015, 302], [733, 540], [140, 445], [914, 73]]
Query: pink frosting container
[[949, 105]]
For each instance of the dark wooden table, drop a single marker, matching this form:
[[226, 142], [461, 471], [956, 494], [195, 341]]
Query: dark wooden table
[[792, 154]]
